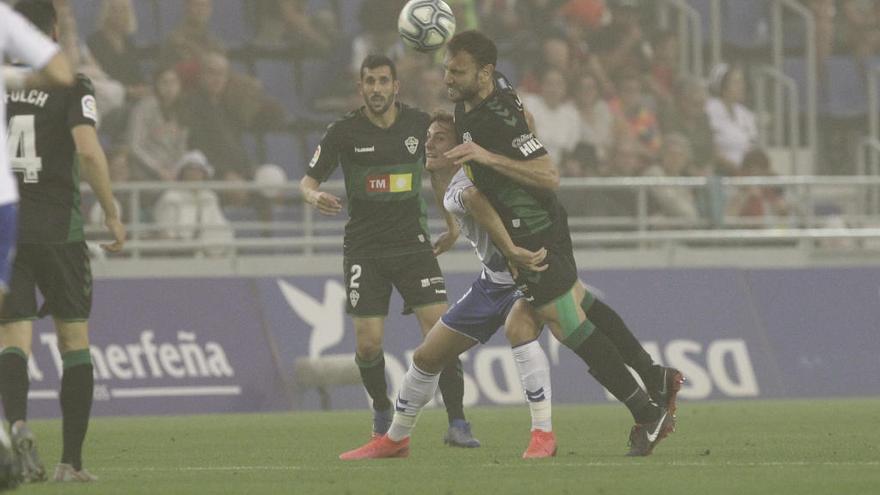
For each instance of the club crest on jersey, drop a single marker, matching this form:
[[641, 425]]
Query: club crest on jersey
[[466, 137], [315, 157], [412, 145], [353, 297], [389, 183], [527, 144]]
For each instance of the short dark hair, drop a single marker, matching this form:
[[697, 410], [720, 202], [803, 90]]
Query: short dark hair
[[41, 13], [477, 44], [376, 61]]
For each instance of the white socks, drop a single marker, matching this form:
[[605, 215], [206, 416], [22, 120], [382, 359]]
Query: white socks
[[534, 374], [417, 390]]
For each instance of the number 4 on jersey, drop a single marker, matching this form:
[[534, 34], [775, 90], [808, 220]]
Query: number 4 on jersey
[[21, 145]]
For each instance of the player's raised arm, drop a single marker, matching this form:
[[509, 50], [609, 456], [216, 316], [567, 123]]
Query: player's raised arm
[[24, 42], [485, 215], [93, 163]]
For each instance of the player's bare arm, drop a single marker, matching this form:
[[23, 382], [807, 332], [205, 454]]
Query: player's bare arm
[[95, 171], [447, 239], [483, 212], [325, 202], [55, 73], [537, 172]]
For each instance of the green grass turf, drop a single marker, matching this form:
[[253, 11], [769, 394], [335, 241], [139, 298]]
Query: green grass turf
[[747, 447]]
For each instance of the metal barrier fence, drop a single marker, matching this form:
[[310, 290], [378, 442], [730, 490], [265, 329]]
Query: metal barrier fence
[[819, 208]]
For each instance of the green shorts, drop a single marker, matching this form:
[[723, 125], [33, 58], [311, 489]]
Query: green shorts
[[62, 273]]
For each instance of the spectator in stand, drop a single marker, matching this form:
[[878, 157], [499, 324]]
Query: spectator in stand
[[688, 117], [157, 134], [430, 90], [733, 125], [675, 161], [639, 121], [192, 39], [113, 47], [555, 54], [214, 129], [597, 122], [861, 27], [193, 214], [379, 33], [621, 45], [289, 24], [664, 68], [765, 202], [624, 162], [556, 119], [539, 17], [581, 162]]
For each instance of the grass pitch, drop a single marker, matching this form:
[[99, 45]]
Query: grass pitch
[[754, 447]]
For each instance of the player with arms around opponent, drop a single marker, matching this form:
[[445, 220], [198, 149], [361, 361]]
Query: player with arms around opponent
[[53, 134], [493, 300], [510, 166], [381, 150], [21, 41]]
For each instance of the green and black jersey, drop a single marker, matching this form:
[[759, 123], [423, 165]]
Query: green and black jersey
[[383, 181], [43, 157], [499, 125]]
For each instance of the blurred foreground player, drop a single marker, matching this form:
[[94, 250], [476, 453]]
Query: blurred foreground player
[[53, 134]]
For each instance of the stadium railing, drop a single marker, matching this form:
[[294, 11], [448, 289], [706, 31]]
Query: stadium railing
[[822, 211]]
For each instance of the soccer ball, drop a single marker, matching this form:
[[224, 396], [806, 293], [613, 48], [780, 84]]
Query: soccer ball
[[425, 25]]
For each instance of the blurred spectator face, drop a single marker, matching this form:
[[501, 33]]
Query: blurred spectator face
[[168, 86], [626, 162], [630, 92], [378, 89], [553, 88], [676, 155], [666, 50], [588, 90], [556, 53], [193, 173], [734, 88], [756, 163], [199, 12], [118, 16], [214, 74]]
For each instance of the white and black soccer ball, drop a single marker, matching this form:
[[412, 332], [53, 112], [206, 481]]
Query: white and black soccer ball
[[426, 25]]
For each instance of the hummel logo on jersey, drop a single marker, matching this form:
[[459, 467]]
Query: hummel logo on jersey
[[652, 435], [412, 145], [366, 149]]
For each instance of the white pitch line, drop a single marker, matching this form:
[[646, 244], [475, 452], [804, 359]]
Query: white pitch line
[[132, 393], [512, 464]]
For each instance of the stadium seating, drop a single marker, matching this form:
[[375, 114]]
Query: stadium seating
[[284, 149], [746, 23], [842, 94], [278, 79]]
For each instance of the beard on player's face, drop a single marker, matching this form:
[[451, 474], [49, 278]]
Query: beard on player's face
[[463, 91], [378, 104]]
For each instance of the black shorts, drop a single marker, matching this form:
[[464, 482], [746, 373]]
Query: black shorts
[[62, 273], [540, 288], [416, 277]]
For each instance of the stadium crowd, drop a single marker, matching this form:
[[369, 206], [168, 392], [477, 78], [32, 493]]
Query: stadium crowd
[[258, 84]]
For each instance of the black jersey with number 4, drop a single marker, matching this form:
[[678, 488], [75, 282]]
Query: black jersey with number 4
[[383, 181], [43, 157], [499, 125]]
